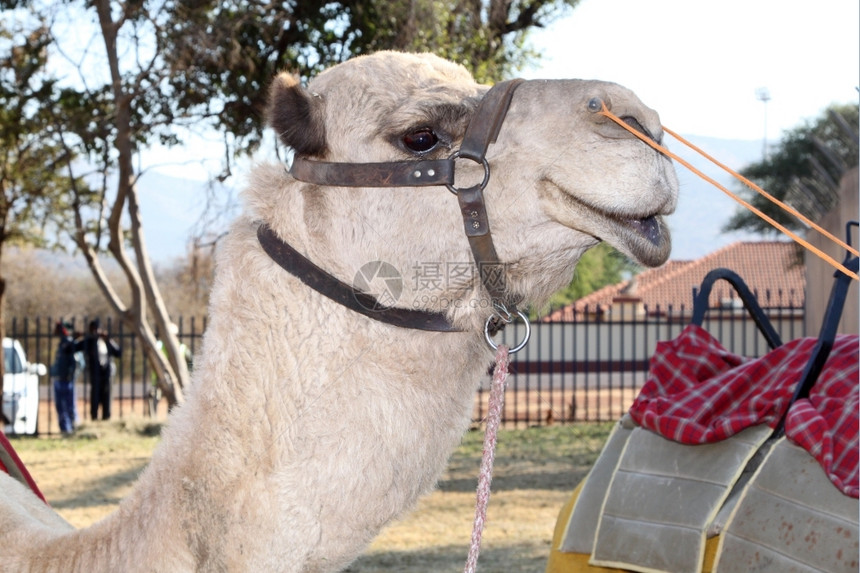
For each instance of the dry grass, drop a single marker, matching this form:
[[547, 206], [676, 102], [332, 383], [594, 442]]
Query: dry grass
[[84, 478]]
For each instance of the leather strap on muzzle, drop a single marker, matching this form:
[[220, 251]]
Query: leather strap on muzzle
[[483, 130]]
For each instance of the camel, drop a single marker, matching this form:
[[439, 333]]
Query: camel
[[308, 426]]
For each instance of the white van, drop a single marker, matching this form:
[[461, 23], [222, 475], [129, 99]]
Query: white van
[[20, 389]]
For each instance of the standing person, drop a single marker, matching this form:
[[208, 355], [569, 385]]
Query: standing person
[[63, 372], [98, 348]]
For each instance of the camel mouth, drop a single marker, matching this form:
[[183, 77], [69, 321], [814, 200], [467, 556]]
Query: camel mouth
[[643, 237], [646, 239], [649, 227]]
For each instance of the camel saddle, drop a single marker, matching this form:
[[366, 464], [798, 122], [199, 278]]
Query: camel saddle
[[717, 468]]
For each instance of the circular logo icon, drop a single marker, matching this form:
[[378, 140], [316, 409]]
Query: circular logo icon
[[377, 285]]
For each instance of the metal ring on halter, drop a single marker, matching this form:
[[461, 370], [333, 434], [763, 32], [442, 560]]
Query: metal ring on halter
[[483, 161], [519, 346]]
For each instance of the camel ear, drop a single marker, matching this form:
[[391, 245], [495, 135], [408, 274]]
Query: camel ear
[[296, 115]]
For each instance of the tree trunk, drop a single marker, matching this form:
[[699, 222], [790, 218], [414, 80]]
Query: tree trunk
[[172, 373]]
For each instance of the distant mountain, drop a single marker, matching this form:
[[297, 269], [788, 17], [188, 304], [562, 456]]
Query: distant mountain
[[702, 208], [171, 206]]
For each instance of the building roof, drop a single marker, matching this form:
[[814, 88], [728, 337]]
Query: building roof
[[769, 269]]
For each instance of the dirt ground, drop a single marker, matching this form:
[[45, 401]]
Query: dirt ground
[[85, 476]]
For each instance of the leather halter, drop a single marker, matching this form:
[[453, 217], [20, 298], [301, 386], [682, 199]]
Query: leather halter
[[483, 129], [346, 295]]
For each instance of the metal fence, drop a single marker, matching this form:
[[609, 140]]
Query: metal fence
[[591, 370], [133, 380], [581, 370]]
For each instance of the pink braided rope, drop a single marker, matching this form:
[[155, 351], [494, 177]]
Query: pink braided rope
[[494, 417]]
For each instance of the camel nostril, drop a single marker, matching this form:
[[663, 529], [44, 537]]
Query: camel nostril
[[634, 123]]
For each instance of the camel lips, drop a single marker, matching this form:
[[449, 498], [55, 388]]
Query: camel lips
[[649, 227]]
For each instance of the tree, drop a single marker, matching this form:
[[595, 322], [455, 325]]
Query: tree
[[803, 170], [110, 121], [223, 54], [96, 123], [32, 189], [488, 37], [70, 292], [598, 267]]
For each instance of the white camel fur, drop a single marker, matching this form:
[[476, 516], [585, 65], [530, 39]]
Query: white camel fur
[[308, 427]]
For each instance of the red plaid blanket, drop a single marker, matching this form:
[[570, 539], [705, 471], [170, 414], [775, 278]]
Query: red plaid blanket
[[697, 392]]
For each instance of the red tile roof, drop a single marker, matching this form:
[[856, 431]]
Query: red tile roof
[[768, 268]]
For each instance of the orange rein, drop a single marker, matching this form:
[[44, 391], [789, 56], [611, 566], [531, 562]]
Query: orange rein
[[818, 252]]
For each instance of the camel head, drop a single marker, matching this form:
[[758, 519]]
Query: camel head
[[562, 177]]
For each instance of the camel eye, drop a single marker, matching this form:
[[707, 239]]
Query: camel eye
[[420, 140]]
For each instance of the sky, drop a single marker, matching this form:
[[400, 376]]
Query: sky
[[699, 63]]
